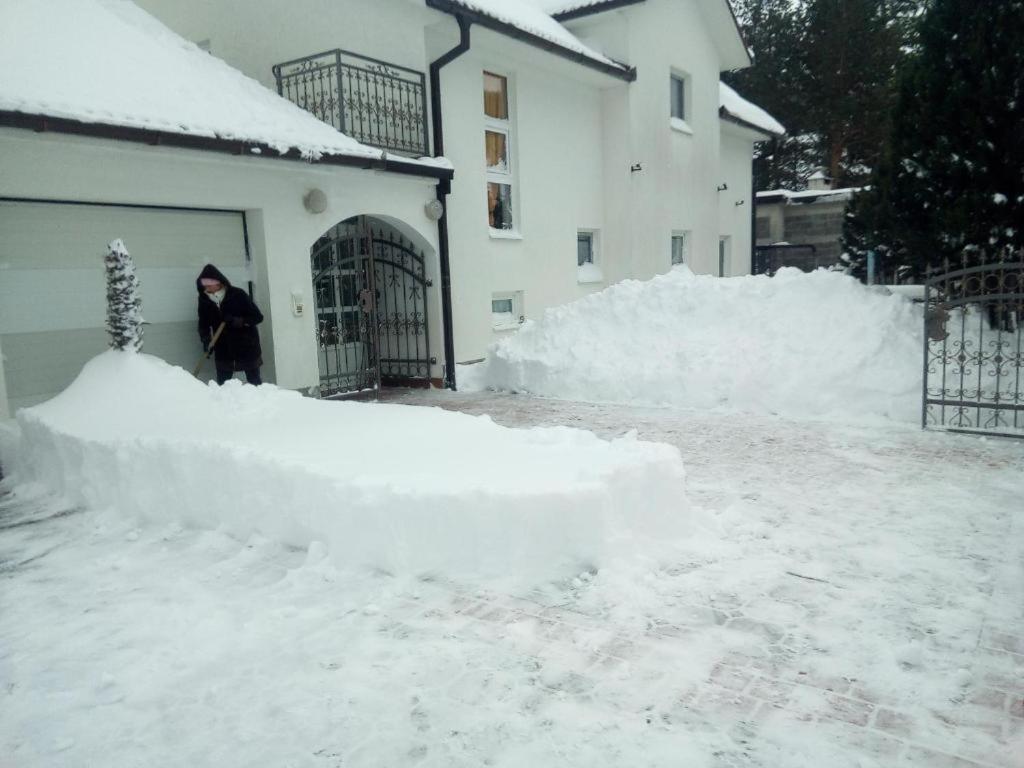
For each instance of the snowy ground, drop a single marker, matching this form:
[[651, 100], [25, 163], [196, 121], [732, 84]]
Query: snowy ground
[[860, 604]]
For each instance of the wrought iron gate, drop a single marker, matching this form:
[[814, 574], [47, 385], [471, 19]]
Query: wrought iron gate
[[974, 353], [371, 287]]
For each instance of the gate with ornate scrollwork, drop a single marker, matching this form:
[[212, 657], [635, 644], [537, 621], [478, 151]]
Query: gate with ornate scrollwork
[[370, 288], [974, 351]]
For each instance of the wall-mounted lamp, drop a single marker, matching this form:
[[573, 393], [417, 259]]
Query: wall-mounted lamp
[[315, 201], [722, 187], [434, 210], [635, 167]]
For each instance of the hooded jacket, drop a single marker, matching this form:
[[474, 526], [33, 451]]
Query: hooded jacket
[[238, 347]]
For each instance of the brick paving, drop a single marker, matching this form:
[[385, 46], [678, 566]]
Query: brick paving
[[772, 686]]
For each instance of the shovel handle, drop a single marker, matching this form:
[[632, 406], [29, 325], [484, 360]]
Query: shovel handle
[[209, 350]]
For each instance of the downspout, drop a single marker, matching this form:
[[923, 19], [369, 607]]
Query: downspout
[[753, 215], [444, 188]]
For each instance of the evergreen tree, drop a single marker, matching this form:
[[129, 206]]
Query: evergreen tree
[[827, 69], [124, 307], [952, 184], [852, 49], [773, 29]]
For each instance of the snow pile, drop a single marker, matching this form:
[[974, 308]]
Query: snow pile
[[741, 109], [107, 61], [797, 344], [400, 488]]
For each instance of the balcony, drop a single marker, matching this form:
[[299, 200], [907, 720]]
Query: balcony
[[376, 103]]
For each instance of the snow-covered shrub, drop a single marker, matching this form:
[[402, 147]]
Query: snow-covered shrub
[[124, 306]]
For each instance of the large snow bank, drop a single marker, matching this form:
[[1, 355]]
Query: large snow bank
[[798, 344], [401, 488]]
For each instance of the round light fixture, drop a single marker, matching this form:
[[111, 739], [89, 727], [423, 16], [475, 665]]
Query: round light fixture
[[434, 210], [315, 201]]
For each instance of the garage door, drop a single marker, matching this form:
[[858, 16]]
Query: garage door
[[53, 286]]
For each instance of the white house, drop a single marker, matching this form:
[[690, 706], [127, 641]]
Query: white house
[[590, 142]]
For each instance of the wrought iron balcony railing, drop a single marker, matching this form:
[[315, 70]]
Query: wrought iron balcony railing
[[376, 103]]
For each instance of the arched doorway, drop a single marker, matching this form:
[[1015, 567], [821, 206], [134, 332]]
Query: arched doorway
[[370, 288]]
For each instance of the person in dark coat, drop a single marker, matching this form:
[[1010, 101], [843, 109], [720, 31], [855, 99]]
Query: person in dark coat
[[238, 348]]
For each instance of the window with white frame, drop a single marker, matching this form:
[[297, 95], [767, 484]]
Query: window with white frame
[[506, 310], [680, 247], [677, 95], [724, 256], [584, 248], [588, 269], [498, 151]]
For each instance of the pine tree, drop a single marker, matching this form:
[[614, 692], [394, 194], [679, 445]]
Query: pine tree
[[827, 69], [952, 184], [852, 51], [124, 307], [773, 30]]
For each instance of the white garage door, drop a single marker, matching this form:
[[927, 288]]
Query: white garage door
[[53, 286]]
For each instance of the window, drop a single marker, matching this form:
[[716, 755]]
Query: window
[[498, 152], [584, 248], [506, 311], [724, 256], [680, 247], [677, 89], [587, 269]]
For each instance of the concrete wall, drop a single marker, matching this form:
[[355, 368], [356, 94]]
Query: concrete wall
[[269, 191], [818, 222]]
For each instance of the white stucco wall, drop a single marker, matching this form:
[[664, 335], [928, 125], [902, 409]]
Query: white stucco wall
[[576, 137], [559, 188], [253, 35], [734, 203], [676, 190], [280, 230]]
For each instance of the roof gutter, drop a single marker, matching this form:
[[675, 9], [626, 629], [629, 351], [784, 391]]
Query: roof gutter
[[45, 124], [453, 7], [594, 8], [728, 116], [444, 188]]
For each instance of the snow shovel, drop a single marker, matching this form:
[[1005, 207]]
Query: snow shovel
[[209, 350]]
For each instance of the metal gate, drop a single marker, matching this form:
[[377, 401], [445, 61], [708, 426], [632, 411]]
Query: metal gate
[[974, 353], [371, 308]]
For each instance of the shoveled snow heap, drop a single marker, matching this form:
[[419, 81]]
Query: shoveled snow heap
[[818, 344], [399, 488]]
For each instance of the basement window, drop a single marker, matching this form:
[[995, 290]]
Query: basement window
[[506, 311]]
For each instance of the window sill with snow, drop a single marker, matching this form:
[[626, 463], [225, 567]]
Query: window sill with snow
[[588, 273], [680, 126], [504, 234]]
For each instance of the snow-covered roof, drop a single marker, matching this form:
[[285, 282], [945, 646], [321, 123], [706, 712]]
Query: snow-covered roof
[[532, 18], [558, 7], [807, 195], [108, 62], [734, 106], [724, 27]]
